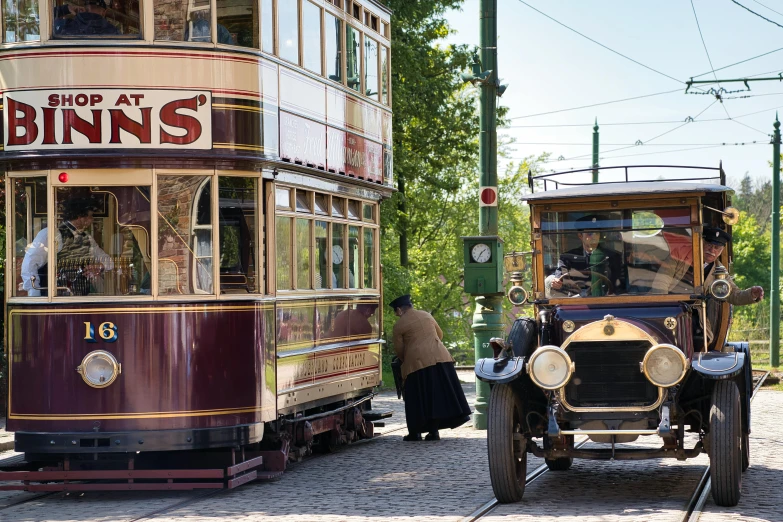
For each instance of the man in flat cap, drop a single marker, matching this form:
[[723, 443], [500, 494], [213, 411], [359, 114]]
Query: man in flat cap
[[672, 272], [590, 269], [434, 399]]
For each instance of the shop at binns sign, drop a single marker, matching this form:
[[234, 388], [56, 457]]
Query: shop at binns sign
[[107, 118]]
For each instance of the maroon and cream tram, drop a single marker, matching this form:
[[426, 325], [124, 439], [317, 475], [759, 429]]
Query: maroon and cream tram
[[192, 201]]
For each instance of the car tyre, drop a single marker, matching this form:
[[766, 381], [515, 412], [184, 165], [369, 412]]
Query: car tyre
[[506, 444], [559, 464], [523, 337], [725, 449]]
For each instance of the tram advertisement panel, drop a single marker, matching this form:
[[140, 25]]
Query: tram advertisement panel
[[107, 119]]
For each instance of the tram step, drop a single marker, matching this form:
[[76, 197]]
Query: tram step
[[13, 462], [268, 475], [374, 415]]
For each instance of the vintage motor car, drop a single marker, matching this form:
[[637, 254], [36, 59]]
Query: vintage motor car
[[626, 338]]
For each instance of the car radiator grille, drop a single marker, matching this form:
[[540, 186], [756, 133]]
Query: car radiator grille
[[608, 375]]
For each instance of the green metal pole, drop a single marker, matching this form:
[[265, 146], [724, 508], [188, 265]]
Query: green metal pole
[[774, 288], [595, 152], [488, 315]]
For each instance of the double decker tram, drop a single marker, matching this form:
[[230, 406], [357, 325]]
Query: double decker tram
[[193, 286]]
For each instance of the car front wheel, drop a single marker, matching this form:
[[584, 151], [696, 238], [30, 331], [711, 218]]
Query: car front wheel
[[725, 449], [506, 445]]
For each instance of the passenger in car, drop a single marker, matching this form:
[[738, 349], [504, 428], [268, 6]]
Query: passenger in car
[[672, 272], [89, 20], [589, 270]]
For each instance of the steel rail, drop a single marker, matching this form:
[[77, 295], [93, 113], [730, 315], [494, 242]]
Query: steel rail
[[529, 479], [695, 506]]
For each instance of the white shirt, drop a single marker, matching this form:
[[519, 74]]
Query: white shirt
[[36, 256]]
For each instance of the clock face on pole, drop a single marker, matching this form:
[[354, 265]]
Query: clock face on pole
[[337, 254], [480, 253]]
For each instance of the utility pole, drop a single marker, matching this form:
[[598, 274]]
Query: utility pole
[[774, 287], [595, 152], [484, 274]]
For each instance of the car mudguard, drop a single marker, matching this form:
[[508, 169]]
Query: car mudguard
[[746, 388], [719, 365], [499, 371]]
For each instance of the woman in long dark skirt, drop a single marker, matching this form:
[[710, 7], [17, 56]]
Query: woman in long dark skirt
[[434, 399]]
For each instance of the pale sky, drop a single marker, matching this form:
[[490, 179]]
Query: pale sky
[[550, 68]]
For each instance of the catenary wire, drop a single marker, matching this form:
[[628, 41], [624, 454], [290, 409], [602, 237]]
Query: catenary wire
[[599, 43], [739, 62], [709, 59], [755, 13], [593, 105], [768, 7]]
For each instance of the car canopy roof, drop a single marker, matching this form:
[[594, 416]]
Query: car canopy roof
[[637, 188]]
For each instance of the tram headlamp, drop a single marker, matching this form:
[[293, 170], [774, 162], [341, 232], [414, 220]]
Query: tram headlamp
[[664, 365], [550, 367], [99, 369]]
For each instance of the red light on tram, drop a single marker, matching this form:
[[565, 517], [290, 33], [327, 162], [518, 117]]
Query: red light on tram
[[63, 177]]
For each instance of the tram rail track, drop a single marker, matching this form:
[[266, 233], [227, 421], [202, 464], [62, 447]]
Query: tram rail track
[[693, 508]]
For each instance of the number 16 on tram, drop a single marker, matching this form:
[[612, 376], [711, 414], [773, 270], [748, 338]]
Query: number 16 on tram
[[192, 213]]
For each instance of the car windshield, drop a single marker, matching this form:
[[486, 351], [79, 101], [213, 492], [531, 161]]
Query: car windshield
[[615, 252]]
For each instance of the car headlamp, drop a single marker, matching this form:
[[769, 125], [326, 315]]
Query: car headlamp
[[99, 369], [517, 295], [664, 365], [550, 367]]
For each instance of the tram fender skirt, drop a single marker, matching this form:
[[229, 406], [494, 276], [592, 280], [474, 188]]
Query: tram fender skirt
[[500, 371], [725, 448]]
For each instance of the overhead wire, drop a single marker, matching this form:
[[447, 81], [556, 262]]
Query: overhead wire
[[698, 26], [768, 7], [755, 13], [739, 62], [600, 44], [593, 105]]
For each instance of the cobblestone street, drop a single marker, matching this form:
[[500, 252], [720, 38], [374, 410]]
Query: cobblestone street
[[385, 479]]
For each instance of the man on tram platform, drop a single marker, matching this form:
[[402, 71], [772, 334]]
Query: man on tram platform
[[73, 243], [89, 20]]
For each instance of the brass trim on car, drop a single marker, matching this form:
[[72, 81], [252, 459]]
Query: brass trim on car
[[597, 331], [116, 368], [665, 346]]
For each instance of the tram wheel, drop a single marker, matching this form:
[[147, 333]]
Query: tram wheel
[[745, 451], [725, 448], [559, 464], [506, 445]]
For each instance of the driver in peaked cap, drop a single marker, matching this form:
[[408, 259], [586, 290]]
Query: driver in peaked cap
[[434, 399]]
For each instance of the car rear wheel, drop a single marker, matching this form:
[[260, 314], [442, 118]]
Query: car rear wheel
[[725, 447], [506, 445], [559, 464]]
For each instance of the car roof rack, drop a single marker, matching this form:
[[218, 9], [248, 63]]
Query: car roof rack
[[552, 180]]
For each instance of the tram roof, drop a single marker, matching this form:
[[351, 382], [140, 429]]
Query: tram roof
[[635, 188]]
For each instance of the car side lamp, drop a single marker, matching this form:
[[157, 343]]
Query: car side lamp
[[514, 264], [720, 289]]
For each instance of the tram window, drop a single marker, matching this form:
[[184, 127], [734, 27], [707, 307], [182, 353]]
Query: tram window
[[368, 213], [29, 208], [284, 253], [303, 254], [334, 47], [338, 255], [184, 235], [311, 36], [20, 19], [321, 204], [321, 246], [352, 48], [97, 18], [102, 244], [237, 207], [288, 29], [303, 201], [283, 198], [369, 258], [384, 75], [267, 26], [188, 21], [371, 68], [338, 207], [353, 257], [353, 209], [238, 18]]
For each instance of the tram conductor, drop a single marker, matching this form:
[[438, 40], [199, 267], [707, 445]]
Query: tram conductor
[[72, 242], [434, 399]]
